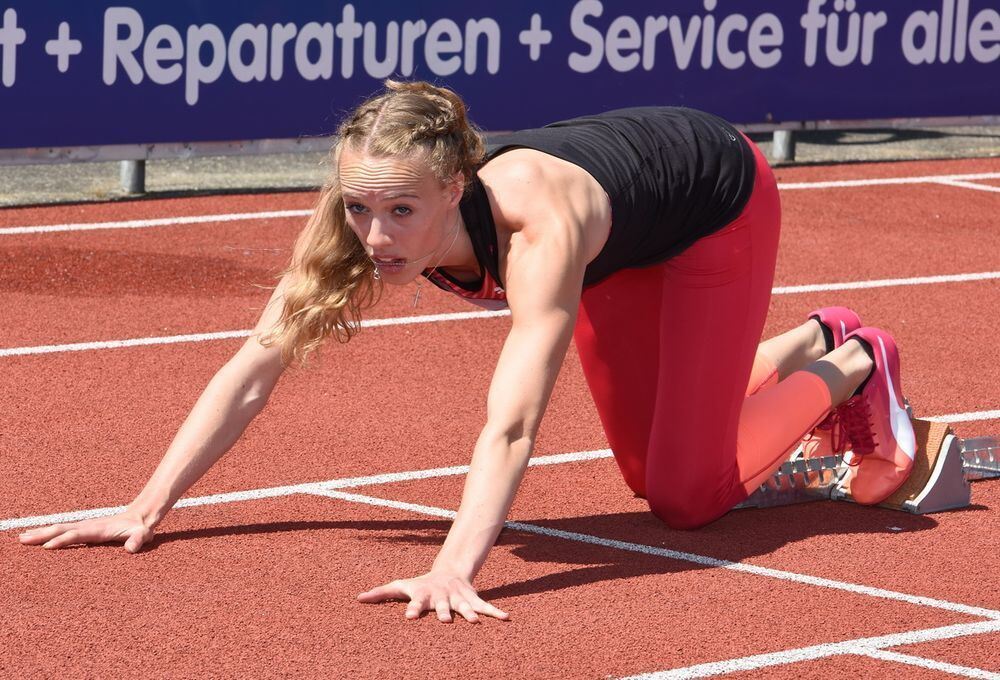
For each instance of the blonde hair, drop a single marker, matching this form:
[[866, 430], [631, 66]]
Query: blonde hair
[[333, 277]]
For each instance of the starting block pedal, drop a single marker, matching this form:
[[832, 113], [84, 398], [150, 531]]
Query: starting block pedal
[[943, 467], [798, 481], [981, 458]]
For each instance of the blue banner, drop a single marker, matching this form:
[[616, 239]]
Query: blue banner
[[80, 73]]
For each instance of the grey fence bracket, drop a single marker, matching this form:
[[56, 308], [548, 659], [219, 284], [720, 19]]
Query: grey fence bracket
[[783, 148], [133, 176]]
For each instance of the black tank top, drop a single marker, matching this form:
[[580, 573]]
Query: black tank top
[[673, 175]]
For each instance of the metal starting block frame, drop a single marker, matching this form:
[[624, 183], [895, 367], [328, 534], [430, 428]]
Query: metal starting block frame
[[943, 467]]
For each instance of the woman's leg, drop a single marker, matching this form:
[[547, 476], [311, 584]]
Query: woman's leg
[[619, 352], [618, 342], [795, 349], [689, 398], [709, 439], [711, 444]]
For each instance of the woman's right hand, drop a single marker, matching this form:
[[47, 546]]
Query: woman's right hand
[[127, 526]]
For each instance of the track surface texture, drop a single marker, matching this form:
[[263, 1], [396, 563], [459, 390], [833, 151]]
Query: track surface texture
[[117, 315]]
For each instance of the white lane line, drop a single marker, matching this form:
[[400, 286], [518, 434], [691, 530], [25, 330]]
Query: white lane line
[[462, 316], [931, 664], [967, 417], [683, 556], [157, 222], [432, 318], [860, 645], [232, 217], [971, 185], [226, 335], [276, 491], [388, 478], [114, 344], [384, 503], [885, 283], [929, 179]]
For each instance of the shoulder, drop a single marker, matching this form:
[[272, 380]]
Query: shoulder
[[514, 167], [528, 187], [536, 196], [521, 188]]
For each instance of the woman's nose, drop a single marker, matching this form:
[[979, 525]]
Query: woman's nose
[[377, 235]]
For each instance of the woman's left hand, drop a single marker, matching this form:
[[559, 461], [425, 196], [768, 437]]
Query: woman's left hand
[[440, 591]]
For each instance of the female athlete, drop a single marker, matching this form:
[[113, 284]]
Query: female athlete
[[648, 234]]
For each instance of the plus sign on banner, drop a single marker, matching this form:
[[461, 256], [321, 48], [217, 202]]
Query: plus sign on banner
[[63, 47], [95, 73]]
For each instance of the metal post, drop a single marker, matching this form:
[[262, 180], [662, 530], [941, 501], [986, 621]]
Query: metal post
[[783, 148], [133, 176]]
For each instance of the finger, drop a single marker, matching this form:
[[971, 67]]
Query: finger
[[41, 534], [481, 605], [484, 607], [385, 592], [465, 609], [64, 539], [136, 539], [416, 607], [443, 608]]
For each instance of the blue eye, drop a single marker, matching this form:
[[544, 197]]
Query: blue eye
[[356, 208], [403, 210]]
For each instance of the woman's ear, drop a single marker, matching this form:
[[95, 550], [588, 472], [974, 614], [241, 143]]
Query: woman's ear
[[456, 188]]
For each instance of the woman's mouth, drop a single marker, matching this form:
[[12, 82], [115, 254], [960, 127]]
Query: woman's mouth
[[389, 265]]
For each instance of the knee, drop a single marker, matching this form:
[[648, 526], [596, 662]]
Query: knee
[[636, 483], [686, 507], [686, 517]]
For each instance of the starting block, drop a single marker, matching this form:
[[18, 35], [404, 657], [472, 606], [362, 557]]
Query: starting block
[[943, 467]]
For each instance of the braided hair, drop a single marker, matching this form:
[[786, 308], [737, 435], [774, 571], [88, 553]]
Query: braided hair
[[333, 280], [413, 117]]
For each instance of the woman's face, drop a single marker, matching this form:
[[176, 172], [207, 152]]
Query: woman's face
[[401, 213]]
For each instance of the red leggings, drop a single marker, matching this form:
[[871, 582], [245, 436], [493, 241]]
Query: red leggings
[[695, 416]]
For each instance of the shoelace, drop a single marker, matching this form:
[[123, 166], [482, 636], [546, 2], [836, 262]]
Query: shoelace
[[856, 423], [839, 441]]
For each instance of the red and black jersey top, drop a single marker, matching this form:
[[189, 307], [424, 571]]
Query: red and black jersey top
[[488, 290]]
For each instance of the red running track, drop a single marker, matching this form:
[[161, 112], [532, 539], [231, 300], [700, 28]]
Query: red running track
[[266, 587]]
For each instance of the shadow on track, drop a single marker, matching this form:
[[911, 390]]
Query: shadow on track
[[736, 537], [79, 271]]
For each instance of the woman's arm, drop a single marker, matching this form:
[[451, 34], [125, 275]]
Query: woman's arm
[[231, 400], [543, 297], [543, 289], [233, 397]]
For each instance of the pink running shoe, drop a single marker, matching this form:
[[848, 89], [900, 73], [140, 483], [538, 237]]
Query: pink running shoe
[[829, 438], [875, 419], [839, 320]]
